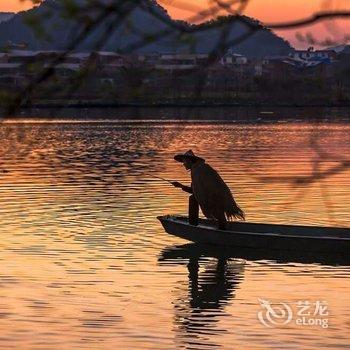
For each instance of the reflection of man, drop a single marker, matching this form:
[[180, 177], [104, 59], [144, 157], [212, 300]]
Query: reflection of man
[[216, 284], [209, 292], [208, 190]]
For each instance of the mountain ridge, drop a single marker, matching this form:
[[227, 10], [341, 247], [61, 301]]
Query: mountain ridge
[[149, 20], [5, 16]]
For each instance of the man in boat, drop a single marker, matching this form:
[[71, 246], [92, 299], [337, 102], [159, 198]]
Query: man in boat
[[209, 191]]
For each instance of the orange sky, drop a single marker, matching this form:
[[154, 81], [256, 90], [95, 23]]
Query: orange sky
[[264, 10]]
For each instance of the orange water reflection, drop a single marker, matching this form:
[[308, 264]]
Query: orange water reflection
[[80, 243]]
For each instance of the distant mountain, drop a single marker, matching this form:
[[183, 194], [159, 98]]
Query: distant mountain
[[337, 49], [346, 49], [55, 32], [5, 16]]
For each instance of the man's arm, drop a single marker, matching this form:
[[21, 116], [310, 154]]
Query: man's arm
[[184, 188]]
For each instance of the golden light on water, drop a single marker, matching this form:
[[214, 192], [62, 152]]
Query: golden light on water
[[81, 246]]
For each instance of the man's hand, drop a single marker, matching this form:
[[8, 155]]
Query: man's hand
[[177, 184]]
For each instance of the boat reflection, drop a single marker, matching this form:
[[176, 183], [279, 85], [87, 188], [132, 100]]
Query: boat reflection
[[195, 251], [214, 275]]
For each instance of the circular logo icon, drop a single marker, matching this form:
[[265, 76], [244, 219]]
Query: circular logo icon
[[277, 314]]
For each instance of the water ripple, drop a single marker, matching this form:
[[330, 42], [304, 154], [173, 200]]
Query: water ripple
[[85, 264]]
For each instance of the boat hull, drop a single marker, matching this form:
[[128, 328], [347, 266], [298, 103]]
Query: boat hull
[[331, 240]]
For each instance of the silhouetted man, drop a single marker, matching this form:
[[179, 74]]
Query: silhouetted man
[[209, 191]]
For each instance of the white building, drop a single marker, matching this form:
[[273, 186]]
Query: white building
[[231, 58], [317, 55], [181, 61]]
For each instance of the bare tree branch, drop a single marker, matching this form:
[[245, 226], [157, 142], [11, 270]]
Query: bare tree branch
[[316, 17]]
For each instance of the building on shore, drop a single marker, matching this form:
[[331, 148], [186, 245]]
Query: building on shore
[[326, 56], [156, 74], [11, 75]]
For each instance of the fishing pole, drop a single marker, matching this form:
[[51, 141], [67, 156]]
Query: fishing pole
[[161, 178]]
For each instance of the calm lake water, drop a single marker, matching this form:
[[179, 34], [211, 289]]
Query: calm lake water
[[86, 265]]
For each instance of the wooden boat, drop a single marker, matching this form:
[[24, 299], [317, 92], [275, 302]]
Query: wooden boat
[[265, 236]]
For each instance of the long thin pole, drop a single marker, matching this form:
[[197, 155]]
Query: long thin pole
[[160, 178]]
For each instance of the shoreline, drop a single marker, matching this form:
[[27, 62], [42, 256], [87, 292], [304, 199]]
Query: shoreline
[[188, 112], [201, 104]]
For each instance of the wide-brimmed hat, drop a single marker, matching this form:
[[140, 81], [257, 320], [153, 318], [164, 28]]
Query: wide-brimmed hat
[[187, 155]]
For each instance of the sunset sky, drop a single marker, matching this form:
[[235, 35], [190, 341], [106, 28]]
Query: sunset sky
[[264, 10]]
